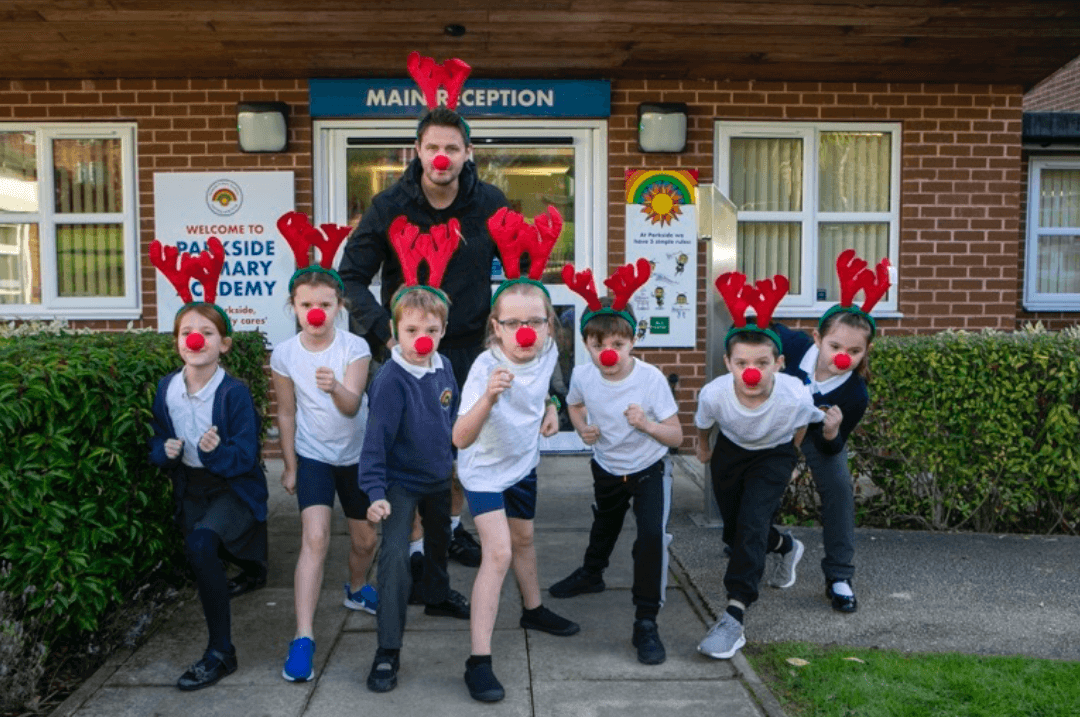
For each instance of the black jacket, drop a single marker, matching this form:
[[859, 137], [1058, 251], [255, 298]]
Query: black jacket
[[467, 280]]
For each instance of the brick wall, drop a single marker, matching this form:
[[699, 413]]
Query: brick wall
[[1060, 92]]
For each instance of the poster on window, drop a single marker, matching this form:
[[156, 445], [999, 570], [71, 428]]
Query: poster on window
[[241, 209], [661, 226]]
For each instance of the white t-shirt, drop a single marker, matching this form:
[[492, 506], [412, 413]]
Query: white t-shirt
[[773, 423], [192, 413], [508, 446], [323, 433], [621, 448]]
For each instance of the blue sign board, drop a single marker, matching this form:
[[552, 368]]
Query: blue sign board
[[480, 98]]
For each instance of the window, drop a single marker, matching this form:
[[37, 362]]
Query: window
[[1052, 249], [806, 192], [68, 237]]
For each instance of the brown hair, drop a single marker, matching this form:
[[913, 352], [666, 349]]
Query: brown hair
[[316, 278], [443, 117], [751, 338], [855, 321], [418, 299], [603, 325], [207, 311]]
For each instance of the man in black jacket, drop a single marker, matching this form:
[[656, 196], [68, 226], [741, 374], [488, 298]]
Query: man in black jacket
[[440, 184]]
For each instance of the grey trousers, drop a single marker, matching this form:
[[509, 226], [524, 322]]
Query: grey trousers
[[833, 481]]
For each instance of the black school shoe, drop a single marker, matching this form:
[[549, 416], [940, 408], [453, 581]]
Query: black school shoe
[[455, 605], [545, 620], [579, 582], [383, 675], [841, 603], [482, 683], [245, 583], [464, 548], [212, 667], [650, 651]]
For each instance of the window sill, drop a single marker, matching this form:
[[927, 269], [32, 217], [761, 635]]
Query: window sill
[[811, 313], [1057, 306], [12, 313]]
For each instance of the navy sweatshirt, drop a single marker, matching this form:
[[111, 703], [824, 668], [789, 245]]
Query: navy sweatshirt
[[408, 439], [851, 396]]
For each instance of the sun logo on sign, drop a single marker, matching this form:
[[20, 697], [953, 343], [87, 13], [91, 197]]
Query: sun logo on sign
[[224, 197], [661, 203]]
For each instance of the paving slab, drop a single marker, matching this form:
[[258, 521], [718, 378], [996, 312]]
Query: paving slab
[[632, 698]]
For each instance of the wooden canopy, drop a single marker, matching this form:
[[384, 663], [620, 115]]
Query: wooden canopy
[[796, 40]]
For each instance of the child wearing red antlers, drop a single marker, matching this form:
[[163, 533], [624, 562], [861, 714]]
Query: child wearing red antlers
[[408, 458], [319, 377], [834, 366], [624, 409], [504, 410], [206, 437], [762, 415]]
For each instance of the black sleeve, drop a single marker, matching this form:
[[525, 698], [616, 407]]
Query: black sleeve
[[365, 253]]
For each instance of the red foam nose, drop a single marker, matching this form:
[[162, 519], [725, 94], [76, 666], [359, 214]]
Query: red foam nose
[[609, 357], [316, 317], [424, 345], [525, 336], [842, 361], [195, 341], [751, 376], [441, 162]]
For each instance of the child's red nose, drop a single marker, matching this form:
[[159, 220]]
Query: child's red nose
[[842, 361], [316, 317], [424, 345], [751, 376], [609, 357], [525, 336], [441, 162], [195, 341]]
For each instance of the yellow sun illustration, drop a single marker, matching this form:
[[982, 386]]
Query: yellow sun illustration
[[661, 203]]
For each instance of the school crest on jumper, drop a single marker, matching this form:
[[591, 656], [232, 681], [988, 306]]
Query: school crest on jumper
[[444, 399]]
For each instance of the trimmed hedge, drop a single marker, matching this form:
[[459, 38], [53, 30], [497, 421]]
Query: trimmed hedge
[[973, 431], [85, 516]]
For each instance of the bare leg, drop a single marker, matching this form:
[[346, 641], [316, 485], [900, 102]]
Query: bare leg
[[495, 540], [417, 528], [361, 552], [524, 561], [307, 579]]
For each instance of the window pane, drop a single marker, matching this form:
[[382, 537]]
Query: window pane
[[18, 172], [1058, 265], [20, 267], [854, 172], [90, 259], [89, 175], [1059, 198], [767, 248], [870, 242], [767, 174]]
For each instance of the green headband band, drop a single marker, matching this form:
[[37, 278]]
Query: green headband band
[[834, 310], [215, 307], [316, 269], [439, 294], [750, 329], [521, 280], [608, 311]]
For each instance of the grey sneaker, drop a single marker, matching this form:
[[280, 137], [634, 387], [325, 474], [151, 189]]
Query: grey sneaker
[[723, 639], [783, 564]]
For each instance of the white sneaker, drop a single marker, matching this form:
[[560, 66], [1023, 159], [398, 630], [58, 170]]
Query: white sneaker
[[783, 565], [723, 639]]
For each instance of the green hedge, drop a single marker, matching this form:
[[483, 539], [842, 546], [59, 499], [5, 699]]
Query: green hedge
[[974, 431], [85, 516]]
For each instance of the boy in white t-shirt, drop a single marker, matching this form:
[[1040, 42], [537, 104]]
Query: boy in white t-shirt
[[623, 408], [762, 416]]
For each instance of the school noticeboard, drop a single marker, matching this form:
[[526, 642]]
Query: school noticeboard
[[241, 209], [661, 226]]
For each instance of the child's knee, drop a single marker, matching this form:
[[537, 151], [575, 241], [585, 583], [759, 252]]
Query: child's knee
[[497, 556], [316, 539], [201, 546]]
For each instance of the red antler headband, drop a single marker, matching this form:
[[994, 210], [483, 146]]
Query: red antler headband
[[763, 297], [515, 236], [436, 247], [624, 282], [430, 76], [854, 274], [301, 236], [181, 268]]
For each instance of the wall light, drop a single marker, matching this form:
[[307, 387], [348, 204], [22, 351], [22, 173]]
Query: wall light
[[662, 127], [263, 126]]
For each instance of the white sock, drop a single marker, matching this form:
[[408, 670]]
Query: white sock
[[455, 521], [416, 546], [842, 588]]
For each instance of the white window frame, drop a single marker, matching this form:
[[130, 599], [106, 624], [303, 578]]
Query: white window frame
[[805, 304], [53, 305], [1035, 300]]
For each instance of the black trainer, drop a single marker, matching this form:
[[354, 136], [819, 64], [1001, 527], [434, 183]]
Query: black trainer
[[841, 603], [416, 569], [482, 683], [212, 667], [383, 675], [455, 605], [245, 583], [579, 582], [650, 651], [545, 620], [464, 548]]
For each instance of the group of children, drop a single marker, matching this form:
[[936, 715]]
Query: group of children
[[389, 453]]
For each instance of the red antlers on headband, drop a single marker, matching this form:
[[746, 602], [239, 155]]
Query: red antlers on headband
[[764, 297], [855, 275], [436, 248], [180, 269], [624, 282], [430, 76], [297, 230], [582, 284], [514, 236]]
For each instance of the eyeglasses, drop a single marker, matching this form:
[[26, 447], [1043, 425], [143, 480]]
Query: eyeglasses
[[515, 324]]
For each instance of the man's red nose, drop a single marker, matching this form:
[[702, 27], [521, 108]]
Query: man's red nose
[[441, 162]]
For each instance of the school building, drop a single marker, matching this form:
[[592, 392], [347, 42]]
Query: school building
[[896, 129]]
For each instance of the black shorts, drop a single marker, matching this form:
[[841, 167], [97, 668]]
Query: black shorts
[[316, 483]]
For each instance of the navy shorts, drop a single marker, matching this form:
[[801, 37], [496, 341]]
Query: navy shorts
[[316, 483], [519, 500]]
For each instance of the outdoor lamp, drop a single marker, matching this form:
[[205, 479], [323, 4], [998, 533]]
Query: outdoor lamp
[[263, 126], [662, 127]]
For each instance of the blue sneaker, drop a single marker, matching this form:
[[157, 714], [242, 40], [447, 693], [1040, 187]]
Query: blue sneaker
[[298, 667], [366, 599]]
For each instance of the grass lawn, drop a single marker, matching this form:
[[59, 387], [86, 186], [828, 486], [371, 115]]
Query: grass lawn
[[885, 683]]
